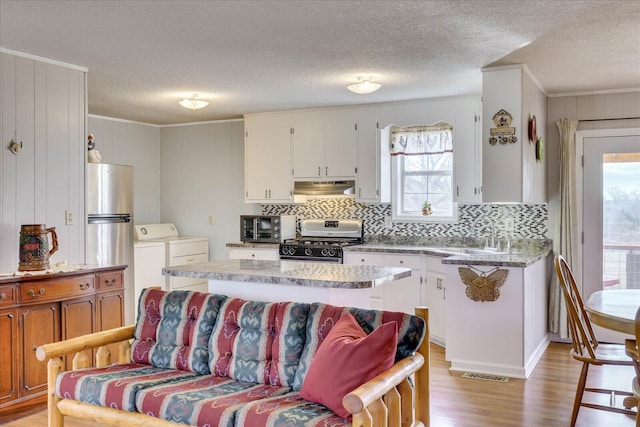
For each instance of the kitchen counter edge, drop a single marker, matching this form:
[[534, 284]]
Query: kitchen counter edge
[[292, 273], [521, 260]]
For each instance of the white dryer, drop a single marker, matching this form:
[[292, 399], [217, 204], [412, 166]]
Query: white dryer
[[179, 250], [148, 260]]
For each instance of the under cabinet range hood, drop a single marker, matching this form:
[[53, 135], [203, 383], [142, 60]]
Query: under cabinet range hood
[[325, 188]]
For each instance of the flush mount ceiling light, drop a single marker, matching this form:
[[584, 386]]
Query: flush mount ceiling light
[[194, 103], [364, 86]]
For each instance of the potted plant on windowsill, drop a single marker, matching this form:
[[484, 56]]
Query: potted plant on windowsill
[[426, 208]]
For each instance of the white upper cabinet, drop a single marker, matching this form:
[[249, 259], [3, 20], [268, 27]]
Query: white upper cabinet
[[323, 145], [268, 159], [307, 146], [467, 152], [340, 145], [373, 163]]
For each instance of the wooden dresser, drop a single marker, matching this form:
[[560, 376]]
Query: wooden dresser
[[44, 308]]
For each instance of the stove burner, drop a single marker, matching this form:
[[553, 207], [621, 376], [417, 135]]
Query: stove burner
[[316, 248]]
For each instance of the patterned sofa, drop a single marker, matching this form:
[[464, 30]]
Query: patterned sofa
[[209, 360]]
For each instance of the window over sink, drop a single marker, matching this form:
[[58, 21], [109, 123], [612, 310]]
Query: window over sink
[[422, 173]]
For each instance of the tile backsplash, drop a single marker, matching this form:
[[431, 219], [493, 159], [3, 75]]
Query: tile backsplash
[[529, 221]]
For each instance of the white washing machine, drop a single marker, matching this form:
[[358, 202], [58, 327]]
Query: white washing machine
[[179, 250], [148, 261]]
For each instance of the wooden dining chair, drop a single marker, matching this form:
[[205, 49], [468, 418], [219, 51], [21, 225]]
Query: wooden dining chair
[[586, 347], [633, 351]]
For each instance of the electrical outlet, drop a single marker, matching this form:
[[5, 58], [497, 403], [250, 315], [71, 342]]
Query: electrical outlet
[[210, 219], [387, 222], [508, 223], [68, 217]]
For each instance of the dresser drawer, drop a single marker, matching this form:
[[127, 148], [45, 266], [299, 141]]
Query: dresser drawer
[[8, 295], [108, 281], [47, 290]]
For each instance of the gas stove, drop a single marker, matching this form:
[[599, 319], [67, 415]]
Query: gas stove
[[322, 240]]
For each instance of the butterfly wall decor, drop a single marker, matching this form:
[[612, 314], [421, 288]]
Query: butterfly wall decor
[[482, 286]]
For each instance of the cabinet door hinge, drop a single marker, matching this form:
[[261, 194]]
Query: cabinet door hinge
[[246, 133], [582, 161], [377, 125], [457, 191], [291, 172], [291, 131], [355, 126], [475, 118], [377, 192], [356, 170], [582, 237]]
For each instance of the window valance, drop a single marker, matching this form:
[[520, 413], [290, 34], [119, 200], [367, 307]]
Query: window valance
[[415, 140]]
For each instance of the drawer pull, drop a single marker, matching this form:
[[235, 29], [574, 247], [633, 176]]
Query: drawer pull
[[84, 286], [110, 282], [32, 293], [3, 296], [401, 262], [190, 259]]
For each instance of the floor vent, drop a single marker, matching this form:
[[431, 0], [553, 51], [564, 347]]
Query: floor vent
[[485, 377]]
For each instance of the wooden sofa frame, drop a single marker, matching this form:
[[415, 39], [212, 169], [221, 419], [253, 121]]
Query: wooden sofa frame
[[389, 399]]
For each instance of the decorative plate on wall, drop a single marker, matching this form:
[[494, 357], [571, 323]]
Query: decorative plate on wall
[[533, 134]]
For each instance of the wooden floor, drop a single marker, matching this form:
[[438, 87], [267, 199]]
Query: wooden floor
[[545, 399]]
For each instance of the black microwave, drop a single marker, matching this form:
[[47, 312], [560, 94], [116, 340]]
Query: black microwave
[[267, 228]]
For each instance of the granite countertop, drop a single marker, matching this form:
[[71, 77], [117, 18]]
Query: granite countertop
[[523, 252], [293, 273], [254, 245]]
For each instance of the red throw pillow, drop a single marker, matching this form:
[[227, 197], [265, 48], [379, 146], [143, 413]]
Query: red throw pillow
[[346, 359]]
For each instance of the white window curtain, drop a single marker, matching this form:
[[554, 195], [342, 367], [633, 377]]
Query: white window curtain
[[566, 233], [417, 140]]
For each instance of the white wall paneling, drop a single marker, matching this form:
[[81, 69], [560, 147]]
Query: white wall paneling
[[43, 106], [600, 108]]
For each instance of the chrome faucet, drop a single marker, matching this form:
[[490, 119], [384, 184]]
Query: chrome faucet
[[493, 230]]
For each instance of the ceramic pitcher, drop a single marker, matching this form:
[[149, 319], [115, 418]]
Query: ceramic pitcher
[[34, 247]]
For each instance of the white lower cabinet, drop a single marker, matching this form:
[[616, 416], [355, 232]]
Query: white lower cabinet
[[433, 295], [400, 295], [264, 254], [426, 286]]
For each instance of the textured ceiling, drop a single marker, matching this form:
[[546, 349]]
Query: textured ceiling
[[257, 56]]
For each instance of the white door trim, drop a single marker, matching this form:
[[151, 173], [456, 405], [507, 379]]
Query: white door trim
[[603, 334]]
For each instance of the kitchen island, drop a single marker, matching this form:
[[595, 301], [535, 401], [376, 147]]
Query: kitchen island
[[503, 336], [331, 283]]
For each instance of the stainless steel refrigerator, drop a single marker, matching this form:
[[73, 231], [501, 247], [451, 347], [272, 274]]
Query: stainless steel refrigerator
[[110, 223]]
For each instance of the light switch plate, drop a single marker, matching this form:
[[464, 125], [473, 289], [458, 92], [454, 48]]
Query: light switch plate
[[508, 223]]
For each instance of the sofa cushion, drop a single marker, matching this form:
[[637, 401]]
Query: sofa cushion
[[173, 329], [290, 410], [322, 317], [114, 386], [258, 342], [346, 359], [202, 401]]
